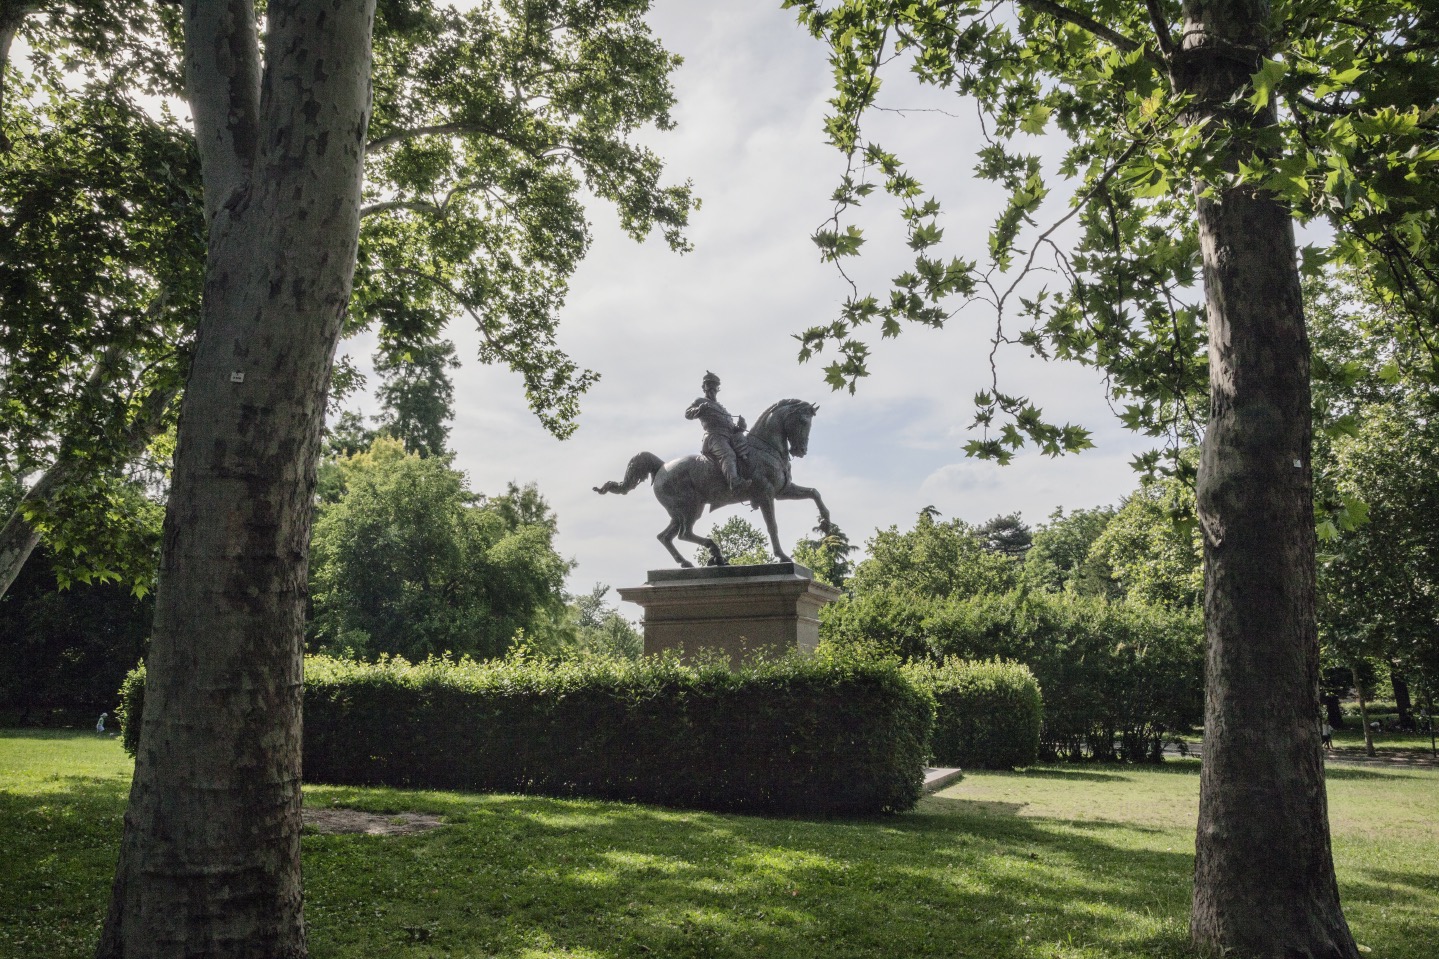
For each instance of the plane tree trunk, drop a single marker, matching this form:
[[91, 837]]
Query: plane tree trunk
[[1264, 880], [210, 860]]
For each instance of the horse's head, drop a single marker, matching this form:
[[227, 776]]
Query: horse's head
[[797, 428], [784, 427]]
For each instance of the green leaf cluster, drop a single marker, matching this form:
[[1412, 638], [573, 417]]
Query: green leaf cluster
[[1119, 678], [491, 125], [1338, 121], [406, 561]]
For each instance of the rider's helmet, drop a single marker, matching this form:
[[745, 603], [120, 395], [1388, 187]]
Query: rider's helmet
[[710, 380]]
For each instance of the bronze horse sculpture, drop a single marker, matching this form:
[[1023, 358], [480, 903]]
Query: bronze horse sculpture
[[685, 486]]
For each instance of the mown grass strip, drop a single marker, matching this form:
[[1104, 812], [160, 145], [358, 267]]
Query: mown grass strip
[[1069, 862]]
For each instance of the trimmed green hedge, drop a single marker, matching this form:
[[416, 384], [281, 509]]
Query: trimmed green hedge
[[836, 733], [987, 713], [1119, 678]]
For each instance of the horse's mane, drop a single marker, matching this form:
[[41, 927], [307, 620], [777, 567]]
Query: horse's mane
[[777, 409]]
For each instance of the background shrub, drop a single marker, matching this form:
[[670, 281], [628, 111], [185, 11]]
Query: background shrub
[[1118, 677], [835, 733], [987, 714]]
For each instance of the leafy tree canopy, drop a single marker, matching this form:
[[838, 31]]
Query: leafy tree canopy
[[1152, 548], [740, 541], [407, 561], [1355, 146], [417, 395], [589, 628], [1379, 589], [1060, 559], [490, 127], [827, 555], [1007, 535], [933, 559]]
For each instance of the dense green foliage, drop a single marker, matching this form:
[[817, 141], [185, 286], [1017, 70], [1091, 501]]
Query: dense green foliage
[[933, 559], [827, 555], [830, 734], [588, 627], [416, 394], [1353, 144], [1377, 492], [1060, 559], [100, 260], [65, 652], [987, 715], [491, 129], [1151, 546], [1118, 678], [741, 542], [1100, 607], [406, 561]]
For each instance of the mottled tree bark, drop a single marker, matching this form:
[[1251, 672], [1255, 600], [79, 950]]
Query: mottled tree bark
[[1264, 880], [210, 861]]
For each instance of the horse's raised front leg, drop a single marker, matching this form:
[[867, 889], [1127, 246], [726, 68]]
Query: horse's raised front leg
[[766, 506], [791, 491], [668, 538]]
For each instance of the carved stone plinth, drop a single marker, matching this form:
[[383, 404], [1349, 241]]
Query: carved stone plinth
[[742, 611]]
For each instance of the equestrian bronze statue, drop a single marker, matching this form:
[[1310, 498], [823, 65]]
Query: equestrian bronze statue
[[735, 467]]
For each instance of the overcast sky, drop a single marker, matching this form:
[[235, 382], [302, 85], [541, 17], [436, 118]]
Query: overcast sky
[[751, 98]]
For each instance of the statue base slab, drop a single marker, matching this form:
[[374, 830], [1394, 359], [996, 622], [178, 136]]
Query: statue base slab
[[743, 612]]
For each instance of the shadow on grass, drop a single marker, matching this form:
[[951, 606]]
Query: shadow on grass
[[573, 877], [514, 876], [1085, 773], [1355, 773], [977, 807], [1427, 883], [518, 875]]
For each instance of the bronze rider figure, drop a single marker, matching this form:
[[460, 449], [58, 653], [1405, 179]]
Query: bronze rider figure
[[724, 440]]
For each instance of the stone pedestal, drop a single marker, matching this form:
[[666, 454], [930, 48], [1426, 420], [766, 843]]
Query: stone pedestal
[[742, 611]]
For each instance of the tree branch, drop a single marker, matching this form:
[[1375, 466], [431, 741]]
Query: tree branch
[[18, 537], [439, 129], [385, 206], [222, 85], [1086, 22], [1162, 36]]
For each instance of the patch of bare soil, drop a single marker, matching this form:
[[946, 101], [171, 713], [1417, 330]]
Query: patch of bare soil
[[338, 820]]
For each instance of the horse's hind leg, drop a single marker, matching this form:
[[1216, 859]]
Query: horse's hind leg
[[687, 533], [668, 539]]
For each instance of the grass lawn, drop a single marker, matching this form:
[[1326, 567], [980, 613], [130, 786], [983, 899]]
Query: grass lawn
[[1050, 863]]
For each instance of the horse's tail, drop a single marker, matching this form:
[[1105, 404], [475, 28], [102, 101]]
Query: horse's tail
[[642, 467]]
